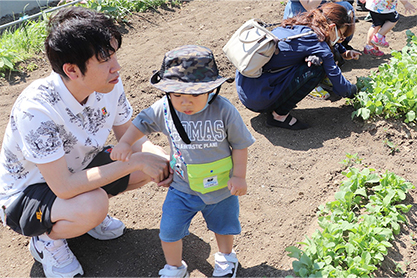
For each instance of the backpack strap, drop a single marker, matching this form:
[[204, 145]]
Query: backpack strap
[[297, 36], [215, 95], [177, 121], [275, 70]]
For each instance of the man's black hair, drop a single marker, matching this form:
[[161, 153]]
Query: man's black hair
[[76, 34]]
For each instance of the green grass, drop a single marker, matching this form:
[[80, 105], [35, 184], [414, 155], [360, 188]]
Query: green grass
[[120, 9], [27, 41], [22, 43]]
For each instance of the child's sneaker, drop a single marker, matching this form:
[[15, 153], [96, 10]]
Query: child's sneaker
[[110, 228], [379, 41], [56, 258], [373, 51], [173, 271], [225, 265], [319, 93]]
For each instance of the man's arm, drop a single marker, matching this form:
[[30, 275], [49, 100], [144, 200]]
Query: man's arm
[[67, 185]]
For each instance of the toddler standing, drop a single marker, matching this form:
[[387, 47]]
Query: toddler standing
[[209, 142], [384, 18]]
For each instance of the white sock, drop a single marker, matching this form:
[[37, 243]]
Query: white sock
[[171, 267], [379, 35]]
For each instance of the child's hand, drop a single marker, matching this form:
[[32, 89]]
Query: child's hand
[[122, 152], [409, 8], [237, 186]]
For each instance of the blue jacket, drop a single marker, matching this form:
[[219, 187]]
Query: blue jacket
[[259, 93]]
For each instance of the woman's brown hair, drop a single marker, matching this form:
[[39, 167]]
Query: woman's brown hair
[[319, 20]]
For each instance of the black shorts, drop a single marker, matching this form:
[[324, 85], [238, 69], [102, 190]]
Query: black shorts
[[380, 19], [30, 213]]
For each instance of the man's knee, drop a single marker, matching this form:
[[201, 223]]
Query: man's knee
[[89, 205], [95, 202]]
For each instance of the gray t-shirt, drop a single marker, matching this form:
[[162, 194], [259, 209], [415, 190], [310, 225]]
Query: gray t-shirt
[[213, 132]]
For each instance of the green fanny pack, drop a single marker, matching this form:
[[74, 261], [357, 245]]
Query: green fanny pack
[[209, 177]]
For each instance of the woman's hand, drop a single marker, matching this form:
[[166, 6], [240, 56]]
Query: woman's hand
[[313, 60]]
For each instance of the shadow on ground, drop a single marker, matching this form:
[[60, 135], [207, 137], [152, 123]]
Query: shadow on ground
[[138, 253]]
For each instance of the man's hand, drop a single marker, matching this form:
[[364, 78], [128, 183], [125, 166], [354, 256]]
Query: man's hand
[[167, 182], [153, 165]]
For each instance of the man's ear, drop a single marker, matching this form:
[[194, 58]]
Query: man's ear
[[71, 70]]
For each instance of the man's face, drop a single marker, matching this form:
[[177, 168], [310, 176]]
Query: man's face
[[102, 75]]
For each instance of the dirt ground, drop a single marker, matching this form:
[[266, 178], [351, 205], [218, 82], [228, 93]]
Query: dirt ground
[[290, 173]]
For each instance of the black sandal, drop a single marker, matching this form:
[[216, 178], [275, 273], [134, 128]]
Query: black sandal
[[271, 122]]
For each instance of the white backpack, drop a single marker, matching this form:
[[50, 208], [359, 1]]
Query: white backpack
[[252, 46]]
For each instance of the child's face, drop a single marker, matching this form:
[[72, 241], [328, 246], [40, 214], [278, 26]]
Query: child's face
[[189, 104]]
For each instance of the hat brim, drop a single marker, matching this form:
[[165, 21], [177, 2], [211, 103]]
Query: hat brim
[[189, 88]]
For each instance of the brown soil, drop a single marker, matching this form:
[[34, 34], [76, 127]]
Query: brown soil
[[290, 173]]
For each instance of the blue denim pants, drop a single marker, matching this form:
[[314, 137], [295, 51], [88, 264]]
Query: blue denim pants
[[307, 78]]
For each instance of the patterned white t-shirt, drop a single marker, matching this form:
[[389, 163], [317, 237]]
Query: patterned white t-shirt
[[47, 122]]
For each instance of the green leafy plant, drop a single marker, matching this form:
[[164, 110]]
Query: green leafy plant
[[32, 66], [356, 228], [393, 147], [351, 159], [7, 58], [21, 43], [27, 40], [399, 269], [120, 9], [392, 92]]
